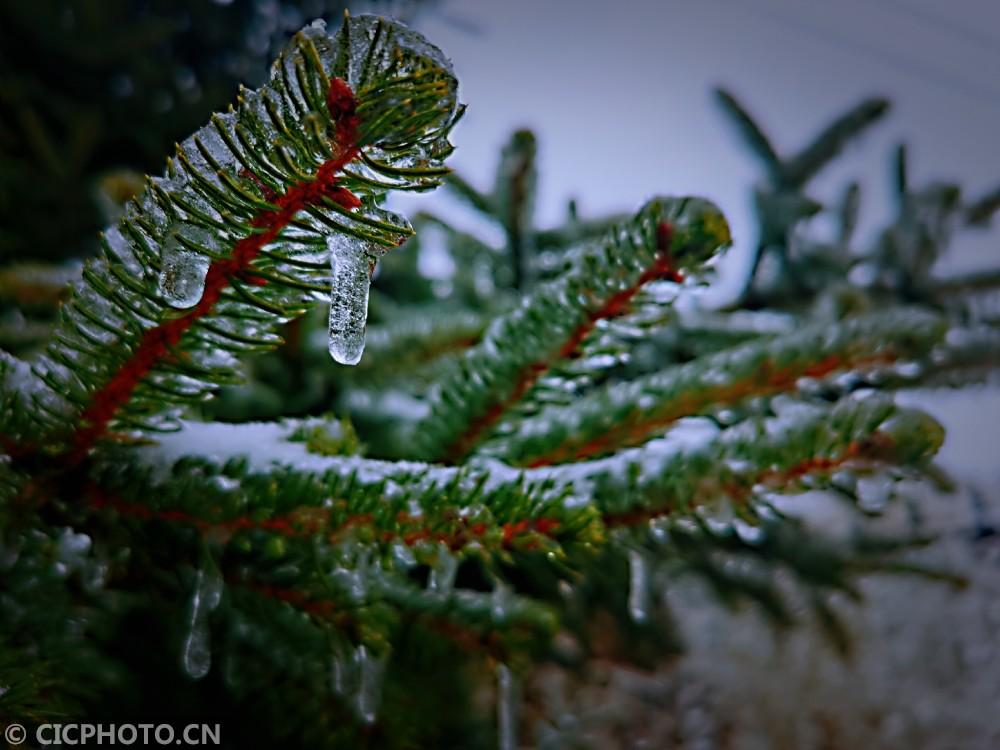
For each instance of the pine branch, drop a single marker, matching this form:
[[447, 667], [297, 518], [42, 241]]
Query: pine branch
[[400, 345], [476, 199], [666, 237], [982, 210], [579, 454], [782, 454], [240, 233], [792, 173], [513, 200], [630, 413], [386, 520], [797, 171], [751, 133]]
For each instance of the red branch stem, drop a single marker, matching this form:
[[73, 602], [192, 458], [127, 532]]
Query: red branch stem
[[739, 490], [614, 306], [769, 380], [158, 342], [310, 521]]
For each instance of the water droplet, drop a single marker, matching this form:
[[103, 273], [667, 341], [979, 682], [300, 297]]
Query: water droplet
[[638, 592], [507, 705], [352, 269], [196, 657]]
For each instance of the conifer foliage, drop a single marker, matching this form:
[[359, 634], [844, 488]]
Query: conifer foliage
[[538, 445]]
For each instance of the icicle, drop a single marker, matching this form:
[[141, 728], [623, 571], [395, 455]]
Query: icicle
[[369, 693], [358, 676], [638, 592], [197, 654], [183, 270], [507, 705], [442, 578], [352, 270], [343, 677]]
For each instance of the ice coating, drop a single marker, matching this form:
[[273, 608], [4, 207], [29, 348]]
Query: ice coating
[[183, 269], [414, 46], [351, 269]]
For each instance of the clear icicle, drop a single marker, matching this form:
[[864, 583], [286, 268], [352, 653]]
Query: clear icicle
[[183, 270], [369, 693], [343, 674], [358, 676], [196, 657], [638, 592], [507, 705], [352, 270]]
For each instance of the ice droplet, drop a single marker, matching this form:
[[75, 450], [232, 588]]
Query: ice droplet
[[507, 700], [183, 269], [197, 654], [638, 591], [352, 270]]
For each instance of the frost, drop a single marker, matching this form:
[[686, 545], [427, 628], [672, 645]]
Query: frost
[[196, 657], [351, 268], [183, 269]]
